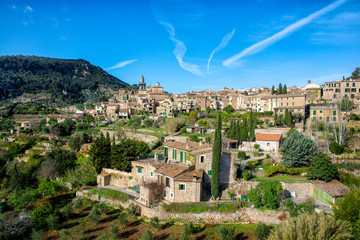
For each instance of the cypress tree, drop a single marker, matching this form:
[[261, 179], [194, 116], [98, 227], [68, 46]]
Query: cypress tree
[[100, 153], [287, 117], [251, 127], [272, 90], [216, 157], [280, 89], [284, 89], [237, 131]]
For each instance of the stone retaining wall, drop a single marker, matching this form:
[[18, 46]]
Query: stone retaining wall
[[245, 214], [149, 139]]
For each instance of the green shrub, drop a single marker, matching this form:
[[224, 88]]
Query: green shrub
[[350, 180], [40, 214], [246, 175], [188, 230], [266, 194], [123, 220], [114, 232], [52, 221], [281, 169], [37, 235], [78, 203], [336, 148], [147, 235], [154, 222], [94, 214], [103, 208], [66, 211], [132, 210], [225, 233], [322, 169], [262, 231], [241, 155], [65, 234], [194, 138]]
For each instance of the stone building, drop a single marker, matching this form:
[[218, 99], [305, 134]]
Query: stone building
[[313, 93], [339, 89], [282, 101], [269, 142]]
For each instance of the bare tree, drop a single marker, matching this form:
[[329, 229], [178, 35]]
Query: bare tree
[[342, 108]]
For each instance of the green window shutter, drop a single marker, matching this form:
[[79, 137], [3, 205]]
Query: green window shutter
[[209, 172], [314, 112], [181, 157], [151, 174], [139, 170], [173, 156], [334, 112], [185, 157]]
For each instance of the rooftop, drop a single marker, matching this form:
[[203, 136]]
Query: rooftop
[[334, 188], [268, 136], [189, 176], [172, 169], [187, 146]]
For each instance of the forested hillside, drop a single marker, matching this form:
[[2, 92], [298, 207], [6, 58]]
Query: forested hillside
[[68, 81]]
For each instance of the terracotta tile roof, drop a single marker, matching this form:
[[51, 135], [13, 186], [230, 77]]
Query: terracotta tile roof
[[187, 146], [149, 161], [104, 174], [268, 136], [172, 169], [189, 176], [201, 151], [334, 188]]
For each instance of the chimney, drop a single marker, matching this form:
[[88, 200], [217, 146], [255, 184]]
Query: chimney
[[156, 157]]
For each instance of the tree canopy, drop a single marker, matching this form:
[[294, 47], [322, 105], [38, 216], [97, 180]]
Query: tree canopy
[[66, 80], [322, 169], [297, 150], [266, 194]]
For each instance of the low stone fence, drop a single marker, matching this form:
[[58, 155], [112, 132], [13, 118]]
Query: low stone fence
[[252, 215], [120, 179]]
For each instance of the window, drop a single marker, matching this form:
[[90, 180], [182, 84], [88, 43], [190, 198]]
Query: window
[[314, 118], [209, 172], [268, 144], [164, 193], [320, 111], [316, 95], [202, 159], [335, 96], [151, 173], [281, 110], [327, 119], [139, 170], [353, 84], [167, 182], [347, 89], [309, 95], [293, 103], [334, 113], [347, 84], [314, 112], [337, 90], [334, 118], [166, 151], [181, 186], [309, 92], [171, 195], [353, 90], [181, 156], [320, 118]]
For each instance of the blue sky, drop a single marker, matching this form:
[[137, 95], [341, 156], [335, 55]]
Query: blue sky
[[192, 45]]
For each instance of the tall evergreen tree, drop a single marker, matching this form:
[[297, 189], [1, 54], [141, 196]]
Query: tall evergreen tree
[[237, 131], [321, 168], [276, 119], [251, 127], [287, 118], [280, 89], [100, 153], [298, 150], [284, 89], [216, 157], [272, 90]]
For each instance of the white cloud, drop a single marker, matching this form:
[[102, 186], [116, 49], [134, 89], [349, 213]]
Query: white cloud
[[223, 44], [122, 64], [255, 48], [180, 50], [28, 9]]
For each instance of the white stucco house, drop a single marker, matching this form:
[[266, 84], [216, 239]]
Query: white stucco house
[[269, 142]]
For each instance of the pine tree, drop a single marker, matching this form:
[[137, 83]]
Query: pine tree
[[298, 150], [272, 90], [322, 169], [100, 153], [216, 157], [280, 89], [284, 89]]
